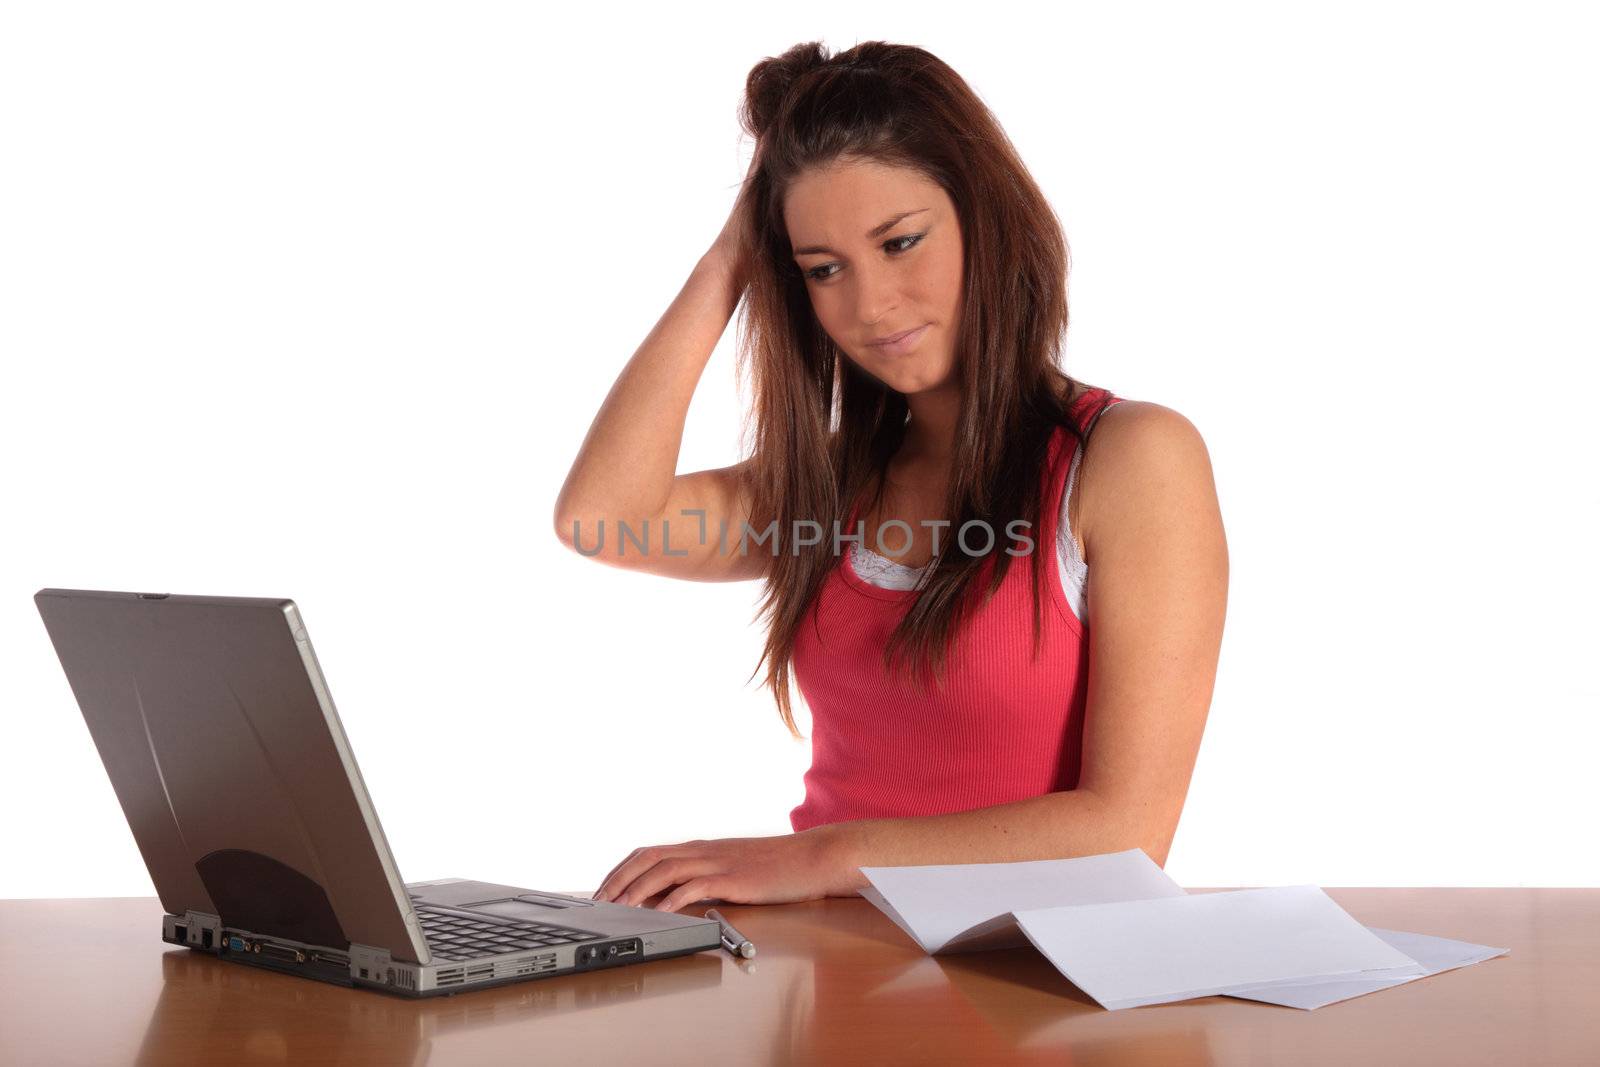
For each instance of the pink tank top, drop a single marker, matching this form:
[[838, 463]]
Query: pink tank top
[[1001, 727]]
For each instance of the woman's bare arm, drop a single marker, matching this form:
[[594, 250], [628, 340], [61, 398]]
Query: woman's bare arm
[[626, 469]]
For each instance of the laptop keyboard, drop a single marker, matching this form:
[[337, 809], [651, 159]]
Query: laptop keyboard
[[455, 937]]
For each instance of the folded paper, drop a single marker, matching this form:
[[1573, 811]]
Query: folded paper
[[1125, 933]]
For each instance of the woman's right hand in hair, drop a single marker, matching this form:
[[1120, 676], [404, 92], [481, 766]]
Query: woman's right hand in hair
[[729, 241]]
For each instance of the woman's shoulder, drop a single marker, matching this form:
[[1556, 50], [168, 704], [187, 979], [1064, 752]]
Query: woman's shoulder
[[1142, 451], [1144, 424], [1099, 402], [1132, 436]]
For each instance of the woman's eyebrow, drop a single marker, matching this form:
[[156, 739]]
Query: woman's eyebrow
[[876, 231]]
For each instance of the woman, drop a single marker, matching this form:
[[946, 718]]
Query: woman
[[904, 284]]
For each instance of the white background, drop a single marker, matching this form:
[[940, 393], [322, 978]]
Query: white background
[[318, 300]]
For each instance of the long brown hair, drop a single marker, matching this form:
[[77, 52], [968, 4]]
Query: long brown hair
[[823, 429]]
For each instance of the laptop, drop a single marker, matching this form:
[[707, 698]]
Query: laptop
[[216, 726]]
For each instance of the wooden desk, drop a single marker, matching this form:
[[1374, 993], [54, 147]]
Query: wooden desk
[[89, 982]]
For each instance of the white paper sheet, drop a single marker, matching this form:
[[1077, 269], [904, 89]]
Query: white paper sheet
[[967, 907], [974, 907], [1195, 945], [1434, 954]]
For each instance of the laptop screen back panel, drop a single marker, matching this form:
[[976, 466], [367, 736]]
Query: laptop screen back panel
[[224, 748]]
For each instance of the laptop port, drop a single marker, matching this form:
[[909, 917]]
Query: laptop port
[[282, 952], [594, 954]]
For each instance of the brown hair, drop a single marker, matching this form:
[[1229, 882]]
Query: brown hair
[[824, 430]]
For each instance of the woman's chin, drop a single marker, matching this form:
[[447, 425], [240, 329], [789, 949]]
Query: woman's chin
[[911, 380], [916, 374]]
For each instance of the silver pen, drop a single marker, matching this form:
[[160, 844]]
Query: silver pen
[[732, 940]]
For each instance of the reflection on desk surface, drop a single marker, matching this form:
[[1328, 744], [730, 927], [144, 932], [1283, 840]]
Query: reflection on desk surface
[[213, 1011], [90, 981]]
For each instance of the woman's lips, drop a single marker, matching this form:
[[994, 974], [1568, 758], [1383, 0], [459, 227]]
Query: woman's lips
[[903, 345]]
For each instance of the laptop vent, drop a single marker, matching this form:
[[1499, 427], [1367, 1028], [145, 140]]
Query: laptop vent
[[402, 978], [513, 968], [487, 971]]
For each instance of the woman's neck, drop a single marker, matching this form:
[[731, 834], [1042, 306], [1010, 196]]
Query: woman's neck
[[931, 433]]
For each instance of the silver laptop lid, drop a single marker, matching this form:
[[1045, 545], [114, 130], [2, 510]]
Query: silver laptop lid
[[216, 727]]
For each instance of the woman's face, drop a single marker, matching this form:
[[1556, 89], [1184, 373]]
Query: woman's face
[[879, 248]]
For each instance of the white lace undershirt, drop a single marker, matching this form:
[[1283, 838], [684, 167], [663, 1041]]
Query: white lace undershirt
[[885, 573]]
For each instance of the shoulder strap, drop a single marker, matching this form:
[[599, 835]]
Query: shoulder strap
[[1104, 398], [1109, 400], [1095, 400]]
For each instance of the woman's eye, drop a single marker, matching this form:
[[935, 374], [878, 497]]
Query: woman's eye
[[895, 246]]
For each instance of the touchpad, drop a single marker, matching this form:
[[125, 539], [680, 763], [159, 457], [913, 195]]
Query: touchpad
[[518, 909]]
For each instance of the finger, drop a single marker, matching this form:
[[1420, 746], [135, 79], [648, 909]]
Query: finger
[[690, 892], [627, 874], [663, 875], [613, 874], [611, 888]]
